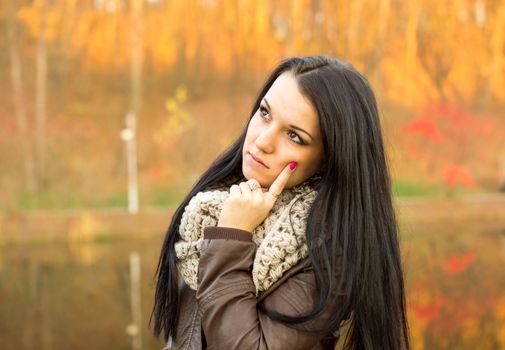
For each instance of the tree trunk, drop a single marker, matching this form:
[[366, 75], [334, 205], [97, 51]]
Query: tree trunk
[[41, 96], [136, 103], [135, 300], [19, 105], [136, 67], [374, 66], [497, 42], [411, 43], [353, 37]]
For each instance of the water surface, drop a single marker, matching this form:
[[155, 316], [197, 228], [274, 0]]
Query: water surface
[[77, 295]]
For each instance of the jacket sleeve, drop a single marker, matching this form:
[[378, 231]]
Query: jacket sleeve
[[228, 303]]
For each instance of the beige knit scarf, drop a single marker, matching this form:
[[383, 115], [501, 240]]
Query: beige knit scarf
[[280, 238]]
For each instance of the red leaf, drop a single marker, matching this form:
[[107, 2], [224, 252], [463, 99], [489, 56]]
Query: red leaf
[[429, 311], [457, 264], [426, 128], [455, 174]]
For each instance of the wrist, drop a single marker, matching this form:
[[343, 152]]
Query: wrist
[[234, 226]]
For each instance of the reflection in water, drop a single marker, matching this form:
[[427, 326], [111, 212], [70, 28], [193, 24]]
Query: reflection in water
[[84, 253], [454, 285], [77, 295], [57, 297]]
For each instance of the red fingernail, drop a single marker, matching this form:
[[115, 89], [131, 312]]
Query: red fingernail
[[293, 165]]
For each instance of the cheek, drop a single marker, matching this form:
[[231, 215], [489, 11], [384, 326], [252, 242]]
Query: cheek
[[306, 161], [252, 132], [289, 153], [308, 165]]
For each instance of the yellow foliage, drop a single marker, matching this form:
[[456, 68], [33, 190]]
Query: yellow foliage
[[181, 94], [178, 121]]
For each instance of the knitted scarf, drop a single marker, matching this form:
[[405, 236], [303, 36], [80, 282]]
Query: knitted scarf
[[280, 238]]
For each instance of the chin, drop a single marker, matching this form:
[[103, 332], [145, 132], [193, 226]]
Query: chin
[[248, 174]]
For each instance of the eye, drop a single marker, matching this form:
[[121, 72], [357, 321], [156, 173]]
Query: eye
[[294, 136], [263, 112]]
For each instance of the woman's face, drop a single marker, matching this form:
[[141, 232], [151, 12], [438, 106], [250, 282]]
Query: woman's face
[[284, 129]]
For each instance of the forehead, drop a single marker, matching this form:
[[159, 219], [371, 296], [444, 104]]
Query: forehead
[[290, 106]]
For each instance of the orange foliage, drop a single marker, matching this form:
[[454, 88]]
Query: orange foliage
[[410, 50], [156, 173], [415, 54], [457, 264]]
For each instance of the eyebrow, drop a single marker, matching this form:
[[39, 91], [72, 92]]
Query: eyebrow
[[291, 126]]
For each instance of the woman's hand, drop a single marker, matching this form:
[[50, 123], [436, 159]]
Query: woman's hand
[[248, 204]]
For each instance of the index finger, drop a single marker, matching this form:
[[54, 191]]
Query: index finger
[[280, 182]]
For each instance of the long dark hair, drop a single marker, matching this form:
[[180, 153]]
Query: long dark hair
[[352, 214]]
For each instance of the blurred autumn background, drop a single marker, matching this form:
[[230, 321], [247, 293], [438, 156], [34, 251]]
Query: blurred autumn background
[[110, 110]]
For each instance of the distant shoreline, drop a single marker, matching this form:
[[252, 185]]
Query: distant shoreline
[[483, 212]]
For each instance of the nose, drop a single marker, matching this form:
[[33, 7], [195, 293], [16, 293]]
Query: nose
[[265, 141]]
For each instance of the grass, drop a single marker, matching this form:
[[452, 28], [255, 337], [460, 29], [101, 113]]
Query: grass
[[47, 200], [172, 196], [409, 188], [160, 196], [68, 200], [404, 188], [166, 197], [103, 237]]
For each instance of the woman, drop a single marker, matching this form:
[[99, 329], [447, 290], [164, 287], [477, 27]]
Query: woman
[[291, 232]]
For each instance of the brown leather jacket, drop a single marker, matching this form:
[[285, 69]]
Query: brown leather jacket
[[223, 313]]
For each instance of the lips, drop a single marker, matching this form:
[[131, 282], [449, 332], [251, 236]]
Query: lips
[[258, 159]]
